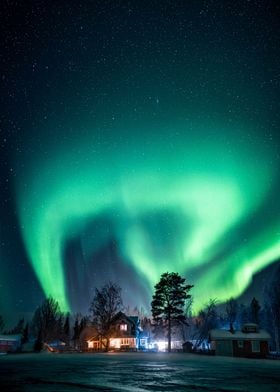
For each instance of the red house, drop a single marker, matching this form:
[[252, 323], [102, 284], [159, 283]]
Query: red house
[[250, 342]]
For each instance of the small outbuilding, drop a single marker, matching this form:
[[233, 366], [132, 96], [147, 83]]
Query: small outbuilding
[[10, 343], [250, 342]]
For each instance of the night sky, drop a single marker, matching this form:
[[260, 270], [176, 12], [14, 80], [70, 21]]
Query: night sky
[[137, 137]]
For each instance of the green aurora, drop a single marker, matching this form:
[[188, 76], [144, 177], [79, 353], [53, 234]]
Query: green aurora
[[138, 138], [177, 196]]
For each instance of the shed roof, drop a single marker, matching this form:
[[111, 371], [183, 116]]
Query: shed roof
[[223, 334]]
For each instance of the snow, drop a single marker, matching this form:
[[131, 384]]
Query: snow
[[222, 334], [136, 372]]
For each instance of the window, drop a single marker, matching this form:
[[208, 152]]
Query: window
[[240, 343], [123, 327], [255, 346]]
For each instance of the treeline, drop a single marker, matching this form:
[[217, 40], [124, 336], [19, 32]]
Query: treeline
[[49, 324], [171, 310], [173, 318], [233, 315]]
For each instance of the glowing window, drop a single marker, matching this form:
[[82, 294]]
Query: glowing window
[[123, 327]]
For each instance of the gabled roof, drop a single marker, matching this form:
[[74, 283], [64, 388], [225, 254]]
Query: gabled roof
[[88, 332], [94, 338], [223, 334], [121, 315]]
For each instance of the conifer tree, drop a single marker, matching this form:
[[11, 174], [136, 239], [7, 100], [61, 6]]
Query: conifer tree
[[66, 328], [169, 299], [25, 334], [2, 324], [255, 309]]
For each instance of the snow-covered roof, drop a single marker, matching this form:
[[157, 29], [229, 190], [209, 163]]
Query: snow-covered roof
[[223, 334], [10, 337], [57, 343]]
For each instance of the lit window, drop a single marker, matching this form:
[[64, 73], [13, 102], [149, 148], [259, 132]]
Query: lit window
[[256, 346], [123, 327], [240, 343]]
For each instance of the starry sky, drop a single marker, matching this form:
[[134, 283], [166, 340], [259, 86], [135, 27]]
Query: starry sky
[[138, 138]]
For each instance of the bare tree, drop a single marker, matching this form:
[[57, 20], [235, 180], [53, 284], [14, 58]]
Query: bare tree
[[106, 303], [207, 319], [231, 312], [46, 320]]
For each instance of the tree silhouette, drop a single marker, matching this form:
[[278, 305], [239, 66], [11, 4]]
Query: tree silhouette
[[2, 324], [66, 329], [206, 320], [168, 302], [231, 311], [255, 309], [25, 334], [106, 303], [46, 322]]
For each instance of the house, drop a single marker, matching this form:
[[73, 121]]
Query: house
[[124, 335], [250, 342], [86, 334], [10, 343]]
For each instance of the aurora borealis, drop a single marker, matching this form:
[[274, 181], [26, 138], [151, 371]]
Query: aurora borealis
[[162, 215], [139, 139]]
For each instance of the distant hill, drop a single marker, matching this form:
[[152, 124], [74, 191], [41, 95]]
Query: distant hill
[[260, 280]]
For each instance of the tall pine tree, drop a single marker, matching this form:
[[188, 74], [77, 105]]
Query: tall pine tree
[[169, 299]]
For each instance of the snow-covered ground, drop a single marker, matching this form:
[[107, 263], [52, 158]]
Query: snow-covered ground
[[136, 372]]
